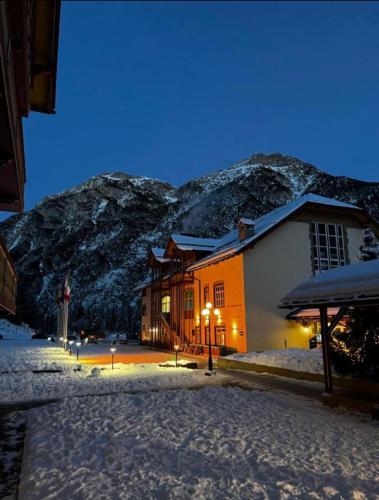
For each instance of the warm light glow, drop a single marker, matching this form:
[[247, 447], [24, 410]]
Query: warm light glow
[[307, 329], [216, 312], [205, 312], [176, 347], [113, 350], [61, 339], [209, 305]]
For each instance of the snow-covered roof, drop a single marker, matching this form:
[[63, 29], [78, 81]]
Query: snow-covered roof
[[159, 254], [184, 242], [230, 243], [247, 221], [355, 283], [143, 284]]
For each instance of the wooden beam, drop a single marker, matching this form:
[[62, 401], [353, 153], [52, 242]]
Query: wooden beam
[[325, 349]]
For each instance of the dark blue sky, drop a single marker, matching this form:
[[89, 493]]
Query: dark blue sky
[[175, 90]]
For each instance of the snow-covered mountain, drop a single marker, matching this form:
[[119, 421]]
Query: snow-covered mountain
[[101, 231]]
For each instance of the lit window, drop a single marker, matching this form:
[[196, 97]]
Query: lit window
[[166, 302], [328, 246], [188, 303], [219, 295]]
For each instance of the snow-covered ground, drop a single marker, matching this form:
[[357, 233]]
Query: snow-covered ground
[[292, 359], [121, 434], [19, 356], [211, 443]]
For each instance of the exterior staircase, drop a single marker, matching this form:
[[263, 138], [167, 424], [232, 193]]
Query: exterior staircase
[[174, 339]]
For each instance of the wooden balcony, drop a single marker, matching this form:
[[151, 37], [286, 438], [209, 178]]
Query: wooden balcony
[[8, 281]]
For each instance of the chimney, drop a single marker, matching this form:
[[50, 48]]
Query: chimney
[[245, 228]]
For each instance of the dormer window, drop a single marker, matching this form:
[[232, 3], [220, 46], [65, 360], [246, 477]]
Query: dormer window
[[245, 228], [328, 246]]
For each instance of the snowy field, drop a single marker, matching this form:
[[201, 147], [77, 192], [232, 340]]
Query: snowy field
[[211, 443], [144, 431], [19, 356], [293, 359]]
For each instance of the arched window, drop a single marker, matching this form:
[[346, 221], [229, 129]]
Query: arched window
[[166, 302]]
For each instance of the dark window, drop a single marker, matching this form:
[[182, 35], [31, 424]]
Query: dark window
[[206, 294], [143, 309], [188, 303], [328, 246]]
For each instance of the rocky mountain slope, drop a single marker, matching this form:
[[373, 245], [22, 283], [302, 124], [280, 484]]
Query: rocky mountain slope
[[101, 231]]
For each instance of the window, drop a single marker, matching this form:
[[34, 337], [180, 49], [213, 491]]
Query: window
[[166, 303], [188, 303], [144, 292], [219, 295], [197, 334], [206, 294], [220, 336], [143, 309], [328, 246]]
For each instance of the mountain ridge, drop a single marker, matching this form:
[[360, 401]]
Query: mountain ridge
[[102, 228]]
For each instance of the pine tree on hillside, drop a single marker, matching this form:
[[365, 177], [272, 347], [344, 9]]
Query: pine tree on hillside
[[357, 352]]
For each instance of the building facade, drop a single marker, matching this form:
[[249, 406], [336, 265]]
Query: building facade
[[29, 32], [244, 275]]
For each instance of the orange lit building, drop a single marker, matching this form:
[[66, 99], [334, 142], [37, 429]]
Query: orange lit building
[[244, 275], [28, 61]]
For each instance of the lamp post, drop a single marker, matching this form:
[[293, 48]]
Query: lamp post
[[70, 343], [206, 312], [176, 348], [78, 344], [113, 350]]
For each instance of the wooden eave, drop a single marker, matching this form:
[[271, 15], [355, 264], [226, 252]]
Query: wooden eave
[[45, 55]]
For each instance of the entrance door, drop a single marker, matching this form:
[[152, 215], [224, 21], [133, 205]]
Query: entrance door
[[220, 336]]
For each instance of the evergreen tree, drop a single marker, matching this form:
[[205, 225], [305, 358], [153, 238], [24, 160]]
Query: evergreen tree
[[357, 352], [369, 250]]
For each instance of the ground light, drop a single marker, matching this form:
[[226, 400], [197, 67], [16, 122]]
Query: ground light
[[70, 343], [176, 348], [207, 314], [78, 344], [113, 350]]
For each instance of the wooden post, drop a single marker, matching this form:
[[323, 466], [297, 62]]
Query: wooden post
[[325, 350]]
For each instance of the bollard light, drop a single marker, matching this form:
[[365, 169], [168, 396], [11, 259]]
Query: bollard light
[[113, 350], [70, 343], [176, 348], [78, 344]]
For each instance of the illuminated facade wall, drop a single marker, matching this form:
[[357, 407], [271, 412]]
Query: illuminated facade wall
[[232, 314], [248, 287]]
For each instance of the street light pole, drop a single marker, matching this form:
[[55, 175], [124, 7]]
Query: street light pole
[[207, 313]]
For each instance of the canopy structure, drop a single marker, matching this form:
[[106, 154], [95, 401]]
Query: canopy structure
[[348, 286], [355, 284]]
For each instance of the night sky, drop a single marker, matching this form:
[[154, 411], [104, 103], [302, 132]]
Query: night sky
[[176, 90]]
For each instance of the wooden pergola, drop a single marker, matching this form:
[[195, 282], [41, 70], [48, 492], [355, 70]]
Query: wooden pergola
[[355, 285]]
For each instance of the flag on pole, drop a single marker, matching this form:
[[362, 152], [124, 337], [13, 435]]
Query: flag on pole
[[62, 300]]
